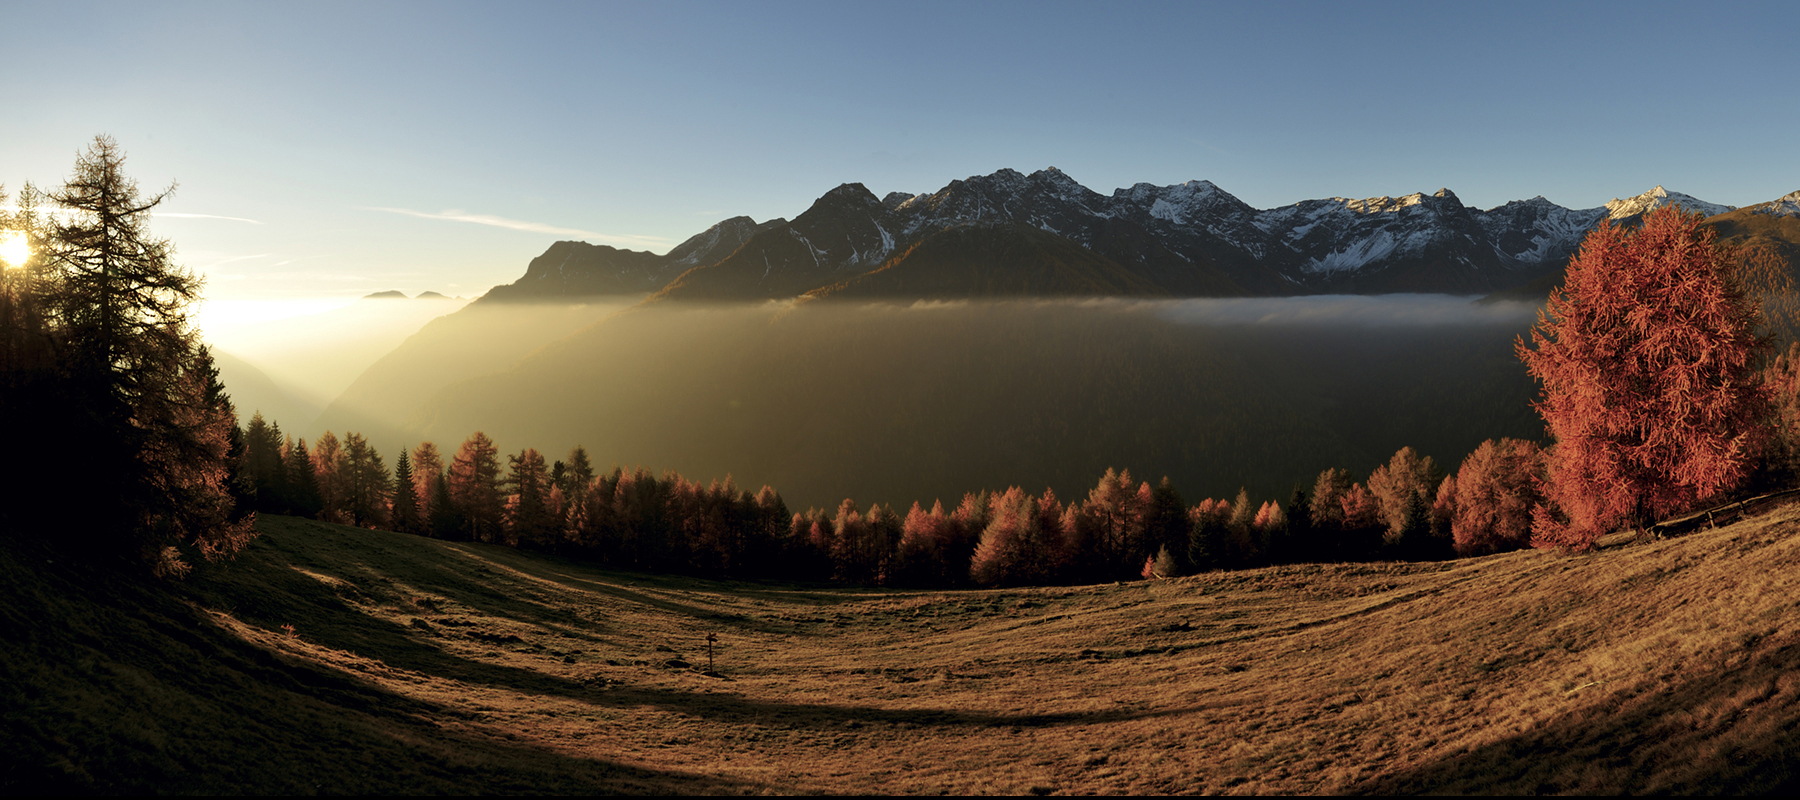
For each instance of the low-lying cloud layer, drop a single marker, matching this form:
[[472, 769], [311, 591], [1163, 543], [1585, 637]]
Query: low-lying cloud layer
[[1412, 310]]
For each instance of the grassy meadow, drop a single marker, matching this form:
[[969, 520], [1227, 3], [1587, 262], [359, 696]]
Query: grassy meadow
[[331, 659]]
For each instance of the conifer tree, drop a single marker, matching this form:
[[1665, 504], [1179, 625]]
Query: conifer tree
[[1406, 477], [262, 456], [529, 522], [1497, 488], [1647, 355], [1328, 501], [445, 520], [365, 482], [304, 499], [143, 404], [327, 462], [1020, 544], [1301, 542], [578, 472], [1114, 505], [1168, 528], [427, 468], [405, 514], [475, 487]]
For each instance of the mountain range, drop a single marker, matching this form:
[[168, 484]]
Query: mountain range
[[1044, 234]]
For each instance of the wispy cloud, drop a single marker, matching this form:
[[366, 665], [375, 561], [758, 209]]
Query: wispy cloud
[[455, 215], [205, 216], [223, 261]]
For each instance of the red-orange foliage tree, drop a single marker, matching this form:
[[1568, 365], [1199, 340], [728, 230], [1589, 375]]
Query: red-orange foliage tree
[[1495, 492], [1647, 355]]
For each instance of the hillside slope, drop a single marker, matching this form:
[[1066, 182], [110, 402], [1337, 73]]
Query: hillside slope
[[416, 665], [893, 403]]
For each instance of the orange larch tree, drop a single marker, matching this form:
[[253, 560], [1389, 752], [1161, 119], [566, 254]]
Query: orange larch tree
[[1647, 354]]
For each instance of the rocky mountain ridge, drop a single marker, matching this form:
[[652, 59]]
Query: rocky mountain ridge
[[1187, 239]]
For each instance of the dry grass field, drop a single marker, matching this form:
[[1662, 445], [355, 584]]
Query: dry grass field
[[331, 659]]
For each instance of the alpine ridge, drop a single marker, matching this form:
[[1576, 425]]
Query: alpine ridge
[[1013, 234]]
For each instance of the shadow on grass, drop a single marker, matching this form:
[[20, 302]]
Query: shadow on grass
[[1718, 733], [262, 589], [112, 685]]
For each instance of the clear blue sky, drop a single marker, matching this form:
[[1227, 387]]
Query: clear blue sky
[[319, 126]]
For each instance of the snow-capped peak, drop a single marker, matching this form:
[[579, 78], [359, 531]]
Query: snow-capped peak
[[1787, 205], [1377, 205], [1657, 198]]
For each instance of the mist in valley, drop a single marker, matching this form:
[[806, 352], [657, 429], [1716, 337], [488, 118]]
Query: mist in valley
[[896, 403], [291, 367]]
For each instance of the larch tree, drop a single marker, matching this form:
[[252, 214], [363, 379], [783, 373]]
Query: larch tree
[[1647, 355], [427, 470], [327, 469], [148, 413], [1495, 492], [1406, 478], [474, 484], [365, 482], [528, 521]]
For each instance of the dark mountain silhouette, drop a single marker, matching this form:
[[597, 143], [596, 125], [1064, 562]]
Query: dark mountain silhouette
[[993, 260], [1186, 240]]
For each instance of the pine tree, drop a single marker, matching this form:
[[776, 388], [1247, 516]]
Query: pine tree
[[262, 456], [405, 513], [1647, 354], [304, 499]]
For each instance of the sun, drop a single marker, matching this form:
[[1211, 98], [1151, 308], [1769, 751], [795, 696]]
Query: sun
[[13, 248]]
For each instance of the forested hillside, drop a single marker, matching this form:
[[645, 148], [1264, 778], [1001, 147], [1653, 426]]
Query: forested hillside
[[896, 403]]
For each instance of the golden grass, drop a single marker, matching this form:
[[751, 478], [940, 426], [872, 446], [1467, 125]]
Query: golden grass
[[1663, 666]]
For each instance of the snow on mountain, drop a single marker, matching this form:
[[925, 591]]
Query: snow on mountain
[[717, 242], [1787, 205], [1656, 198], [1186, 239], [1537, 231]]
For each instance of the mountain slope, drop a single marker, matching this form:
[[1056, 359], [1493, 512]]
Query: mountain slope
[[484, 338], [844, 233], [578, 269], [990, 261]]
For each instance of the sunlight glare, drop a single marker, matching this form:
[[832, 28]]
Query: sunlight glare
[[14, 249]]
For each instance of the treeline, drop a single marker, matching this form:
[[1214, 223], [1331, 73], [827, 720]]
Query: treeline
[[1123, 529]]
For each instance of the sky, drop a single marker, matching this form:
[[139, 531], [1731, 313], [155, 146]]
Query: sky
[[326, 151]]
